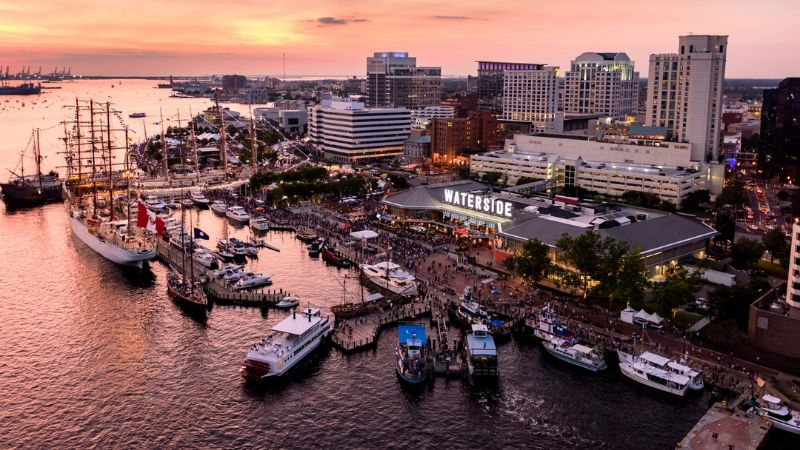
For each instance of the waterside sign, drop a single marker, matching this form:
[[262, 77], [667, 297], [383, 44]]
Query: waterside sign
[[481, 203]]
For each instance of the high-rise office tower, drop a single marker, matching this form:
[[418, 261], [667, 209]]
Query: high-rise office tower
[[490, 82], [780, 131], [684, 92], [530, 98], [395, 81], [601, 83]]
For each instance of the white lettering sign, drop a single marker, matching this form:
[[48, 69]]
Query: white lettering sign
[[478, 203]]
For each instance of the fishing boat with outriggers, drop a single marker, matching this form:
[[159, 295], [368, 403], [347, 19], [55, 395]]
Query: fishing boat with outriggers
[[92, 204], [291, 340], [561, 342], [481, 355], [23, 190], [414, 364]]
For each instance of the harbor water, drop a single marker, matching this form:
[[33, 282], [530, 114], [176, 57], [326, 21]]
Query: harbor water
[[97, 355]]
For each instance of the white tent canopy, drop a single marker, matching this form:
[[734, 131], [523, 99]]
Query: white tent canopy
[[655, 318], [626, 315], [365, 234], [642, 315]]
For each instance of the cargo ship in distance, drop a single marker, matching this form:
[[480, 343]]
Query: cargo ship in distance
[[22, 89]]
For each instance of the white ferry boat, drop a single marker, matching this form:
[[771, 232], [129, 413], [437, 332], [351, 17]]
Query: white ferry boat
[[652, 370], [391, 277], [773, 409], [237, 214], [560, 342], [259, 224], [291, 340], [481, 354]]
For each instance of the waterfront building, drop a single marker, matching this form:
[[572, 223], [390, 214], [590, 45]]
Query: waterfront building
[[601, 83], [506, 221], [530, 100], [347, 131], [780, 130], [489, 83], [231, 84], [684, 93], [395, 81]]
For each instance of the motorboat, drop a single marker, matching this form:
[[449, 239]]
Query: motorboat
[[414, 364], [237, 214], [206, 259], [774, 410], [291, 340], [186, 203], [199, 199], [219, 207], [390, 276], [315, 248], [469, 311], [562, 343], [259, 223], [481, 354], [137, 115], [155, 204], [652, 370], [287, 303], [253, 281], [235, 276]]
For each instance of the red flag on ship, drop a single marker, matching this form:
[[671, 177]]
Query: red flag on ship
[[150, 221]]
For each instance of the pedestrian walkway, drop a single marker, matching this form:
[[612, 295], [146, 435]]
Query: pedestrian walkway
[[356, 334]]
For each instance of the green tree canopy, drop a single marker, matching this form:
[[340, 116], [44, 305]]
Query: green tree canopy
[[775, 243], [678, 288], [492, 177], [733, 194], [692, 200], [533, 262], [746, 252]]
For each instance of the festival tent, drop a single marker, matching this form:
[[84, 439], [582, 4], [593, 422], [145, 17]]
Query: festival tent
[[644, 315], [626, 315], [655, 318], [363, 235]]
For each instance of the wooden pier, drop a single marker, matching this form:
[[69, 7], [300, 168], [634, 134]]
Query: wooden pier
[[218, 291], [359, 333], [724, 428]]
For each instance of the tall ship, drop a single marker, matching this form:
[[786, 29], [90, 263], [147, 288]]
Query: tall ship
[[99, 213], [188, 292], [389, 276], [414, 363], [559, 341], [291, 340], [32, 189], [22, 89], [481, 354]]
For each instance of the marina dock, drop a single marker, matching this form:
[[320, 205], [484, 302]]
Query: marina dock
[[722, 428], [356, 334]]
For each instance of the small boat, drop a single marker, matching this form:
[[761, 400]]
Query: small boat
[[251, 281], [219, 207], [137, 115], [186, 294], [225, 255], [237, 214], [291, 340], [226, 270], [773, 409], [481, 354], [330, 256], [413, 365], [206, 259], [259, 223], [251, 251], [186, 203], [469, 311], [287, 303], [199, 199], [315, 248], [155, 204], [306, 234], [562, 343], [499, 330], [651, 370], [181, 240]]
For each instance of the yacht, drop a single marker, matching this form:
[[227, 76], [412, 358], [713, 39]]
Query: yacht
[[155, 204], [186, 203], [481, 354], [414, 364], [235, 276], [237, 214], [562, 343], [695, 376], [219, 207], [206, 259], [391, 277], [651, 370], [287, 303], [259, 223], [253, 281], [291, 340], [199, 199], [181, 240], [773, 409], [469, 311], [315, 248]]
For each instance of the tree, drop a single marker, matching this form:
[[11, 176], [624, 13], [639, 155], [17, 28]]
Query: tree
[[734, 302], [583, 254], [526, 180], [398, 181], [533, 262], [693, 199], [667, 206], [631, 279], [775, 243], [492, 177], [732, 194], [746, 252], [725, 223], [678, 288]]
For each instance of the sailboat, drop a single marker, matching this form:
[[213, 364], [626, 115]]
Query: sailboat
[[368, 304], [188, 293], [102, 230], [31, 190]]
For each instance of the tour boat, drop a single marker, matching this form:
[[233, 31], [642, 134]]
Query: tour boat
[[469, 311], [306, 234], [652, 370], [287, 303], [253, 281], [112, 241], [560, 342], [199, 199], [481, 354], [259, 223], [414, 365], [773, 409], [291, 340], [315, 248], [219, 207], [237, 214], [391, 277]]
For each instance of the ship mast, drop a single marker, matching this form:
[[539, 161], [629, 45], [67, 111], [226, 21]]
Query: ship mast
[[110, 152], [180, 142], [222, 149], [196, 161], [164, 147], [128, 179], [38, 155], [94, 165], [253, 153], [78, 140]]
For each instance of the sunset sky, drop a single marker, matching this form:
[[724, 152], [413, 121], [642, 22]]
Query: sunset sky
[[333, 37]]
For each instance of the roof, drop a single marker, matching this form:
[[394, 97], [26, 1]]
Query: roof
[[547, 231], [483, 345], [661, 233], [406, 332], [653, 358], [582, 348], [296, 324], [364, 234]]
